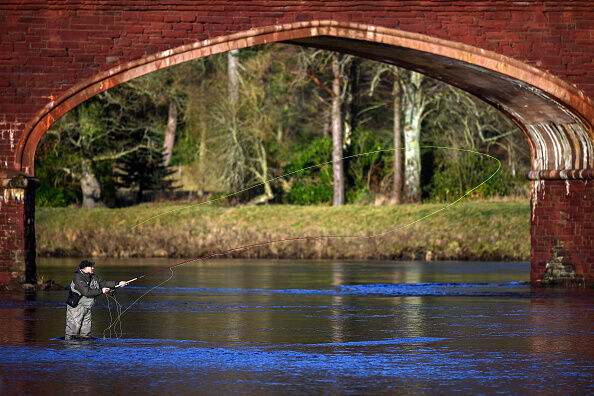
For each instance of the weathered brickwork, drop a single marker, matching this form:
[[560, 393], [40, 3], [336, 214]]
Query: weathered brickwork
[[49, 47], [562, 213], [17, 230]]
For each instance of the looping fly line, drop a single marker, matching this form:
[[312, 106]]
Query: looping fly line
[[115, 325]]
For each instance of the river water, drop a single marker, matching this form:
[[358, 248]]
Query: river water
[[278, 327]]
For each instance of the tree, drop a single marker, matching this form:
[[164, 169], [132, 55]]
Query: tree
[[417, 93], [239, 129], [337, 165], [396, 125], [165, 92], [233, 76], [315, 69], [460, 120], [114, 124], [169, 140], [144, 170], [397, 186], [86, 137], [247, 116]]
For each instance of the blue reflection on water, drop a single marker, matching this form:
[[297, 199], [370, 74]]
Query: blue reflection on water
[[429, 360], [385, 289], [455, 344], [165, 353]]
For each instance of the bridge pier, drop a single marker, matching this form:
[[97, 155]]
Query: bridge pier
[[17, 228], [562, 232]]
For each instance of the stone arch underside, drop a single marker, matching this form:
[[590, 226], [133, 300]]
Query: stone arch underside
[[556, 118]]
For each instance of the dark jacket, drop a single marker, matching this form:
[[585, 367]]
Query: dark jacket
[[89, 286]]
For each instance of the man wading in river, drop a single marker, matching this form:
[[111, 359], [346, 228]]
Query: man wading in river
[[85, 287]]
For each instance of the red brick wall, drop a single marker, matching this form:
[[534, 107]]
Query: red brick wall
[[12, 242], [48, 46], [17, 230], [563, 211]]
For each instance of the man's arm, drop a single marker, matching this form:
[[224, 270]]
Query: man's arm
[[81, 285], [105, 283]]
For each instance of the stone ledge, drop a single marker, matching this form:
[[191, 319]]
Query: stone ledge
[[561, 174], [10, 178]]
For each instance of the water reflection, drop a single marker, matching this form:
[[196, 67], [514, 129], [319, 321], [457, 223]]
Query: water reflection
[[561, 325], [311, 327], [17, 318], [337, 313]]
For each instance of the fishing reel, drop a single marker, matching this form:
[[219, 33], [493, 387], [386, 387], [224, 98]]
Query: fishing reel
[[112, 292]]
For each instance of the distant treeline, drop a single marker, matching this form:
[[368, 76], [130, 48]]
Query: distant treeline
[[230, 121]]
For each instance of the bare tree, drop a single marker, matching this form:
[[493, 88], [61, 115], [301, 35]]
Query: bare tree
[[238, 127], [418, 92], [233, 76], [413, 106], [337, 165], [397, 187], [101, 130], [396, 198], [314, 68], [166, 89], [464, 121], [170, 133]]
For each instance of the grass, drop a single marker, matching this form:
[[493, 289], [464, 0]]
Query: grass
[[474, 230]]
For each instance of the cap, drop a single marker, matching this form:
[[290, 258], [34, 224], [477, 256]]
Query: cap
[[86, 263]]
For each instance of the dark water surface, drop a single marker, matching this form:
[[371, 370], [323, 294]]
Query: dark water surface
[[274, 327]]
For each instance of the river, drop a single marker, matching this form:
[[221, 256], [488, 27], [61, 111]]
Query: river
[[293, 327]]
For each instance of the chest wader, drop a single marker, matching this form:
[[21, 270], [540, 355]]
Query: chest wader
[[78, 319]]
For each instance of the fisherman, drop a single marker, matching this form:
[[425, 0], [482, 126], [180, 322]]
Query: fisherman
[[85, 287]]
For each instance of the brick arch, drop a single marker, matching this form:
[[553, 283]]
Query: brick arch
[[555, 116]]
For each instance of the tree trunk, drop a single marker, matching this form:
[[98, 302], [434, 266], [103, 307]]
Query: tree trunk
[[262, 176], [91, 189], [170, 133], [202, 167], [233, 75], [397, 188], [412, 163], [337, 169], [413, 107], [351, 70]]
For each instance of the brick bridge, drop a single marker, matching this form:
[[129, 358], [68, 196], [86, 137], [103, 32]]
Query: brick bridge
[[533, 60]]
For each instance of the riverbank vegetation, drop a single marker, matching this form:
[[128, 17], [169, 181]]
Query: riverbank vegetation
[[214, 126], [472, 230], [221, 123]]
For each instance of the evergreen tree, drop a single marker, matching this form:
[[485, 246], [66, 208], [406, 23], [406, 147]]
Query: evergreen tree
[[144, 170]]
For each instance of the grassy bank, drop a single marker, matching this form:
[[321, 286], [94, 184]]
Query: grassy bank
[[492, 230]]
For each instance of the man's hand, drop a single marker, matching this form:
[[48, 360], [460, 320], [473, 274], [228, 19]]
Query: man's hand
[[105, 290], [122, 284]]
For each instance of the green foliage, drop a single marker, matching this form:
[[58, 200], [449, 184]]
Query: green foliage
[[278, 125], [307, 155], [466, 171], [369, 165], [310, 184], [309, 191], [57, 188], [360, 196], [107, 179], [462, 121], [53, 197], [144, 170]]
